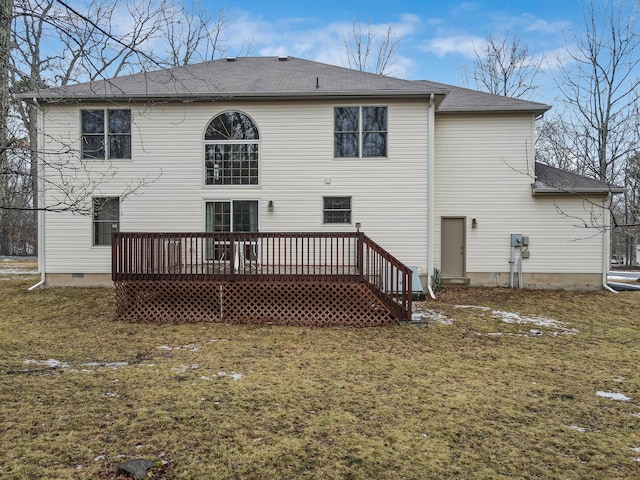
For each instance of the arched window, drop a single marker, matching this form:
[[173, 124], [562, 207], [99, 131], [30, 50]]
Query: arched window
[[231, 150]]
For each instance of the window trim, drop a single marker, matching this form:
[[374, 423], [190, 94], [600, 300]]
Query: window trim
[[212, 247], [106, 134], [95, 222], [231, 201], [325, 210], [361, 132], [253, 141]]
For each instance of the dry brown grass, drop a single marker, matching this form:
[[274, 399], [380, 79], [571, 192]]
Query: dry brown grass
[[475, 399]]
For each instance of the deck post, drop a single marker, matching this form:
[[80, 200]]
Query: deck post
[[360, 255], [232, 257]]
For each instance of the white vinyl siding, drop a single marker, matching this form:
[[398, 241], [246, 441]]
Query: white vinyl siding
[[484, 170], [297, 169]]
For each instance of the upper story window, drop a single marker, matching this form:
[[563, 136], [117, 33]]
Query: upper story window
[[106, 133], [360, 132], [231, 150]]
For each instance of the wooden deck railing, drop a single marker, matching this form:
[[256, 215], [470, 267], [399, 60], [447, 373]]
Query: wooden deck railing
[[264, 257]]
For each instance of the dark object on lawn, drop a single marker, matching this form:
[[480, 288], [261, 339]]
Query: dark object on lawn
[[138, 468]]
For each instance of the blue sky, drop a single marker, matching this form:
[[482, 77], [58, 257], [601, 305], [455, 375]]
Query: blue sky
[[438, 37]]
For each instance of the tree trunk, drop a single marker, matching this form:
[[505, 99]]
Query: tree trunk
[[6, 13]]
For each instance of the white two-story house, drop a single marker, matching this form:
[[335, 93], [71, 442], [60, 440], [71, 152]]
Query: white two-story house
[[443, 178]]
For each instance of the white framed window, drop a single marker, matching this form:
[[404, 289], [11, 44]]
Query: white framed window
[[106, 219], [231, 150], [360, 132], [336, 210], [106, 134]]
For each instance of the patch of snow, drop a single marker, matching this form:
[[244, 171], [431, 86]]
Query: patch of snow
[[613, 396], [190, 347], [111, 394], [49, 363], [577, 429], [431, 315], [516, 318], [232, 375], [484, 309], [105, 364], [184, 368], [16, 271], [98, 458], [619, 379]]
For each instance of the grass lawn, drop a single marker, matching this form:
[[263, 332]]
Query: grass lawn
[[499, 384]]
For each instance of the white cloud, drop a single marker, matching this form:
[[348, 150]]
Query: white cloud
[[542, 26], [554, 59], [464, 45], [307, 38]]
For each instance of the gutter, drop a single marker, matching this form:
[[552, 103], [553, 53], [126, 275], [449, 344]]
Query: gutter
[[431, 186], [584, 191], [41, 236], [222, 96]]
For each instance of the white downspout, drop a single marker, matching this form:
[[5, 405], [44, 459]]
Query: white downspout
[[40, 147], [430, 195], [605, 244]]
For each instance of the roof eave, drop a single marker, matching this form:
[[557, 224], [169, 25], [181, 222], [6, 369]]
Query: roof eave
[[541, 191], [320, 94], [495, 109]]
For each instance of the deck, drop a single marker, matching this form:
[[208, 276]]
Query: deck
[[315, 279]]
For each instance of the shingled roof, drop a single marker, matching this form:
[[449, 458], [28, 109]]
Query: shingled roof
[[277, 78], [244, 77], [462, 100], [554, 181]]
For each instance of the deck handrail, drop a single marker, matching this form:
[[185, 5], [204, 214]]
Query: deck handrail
[[264, 256]]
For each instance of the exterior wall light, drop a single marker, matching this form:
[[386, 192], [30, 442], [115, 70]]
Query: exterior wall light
[[270, 206], [474, 223]]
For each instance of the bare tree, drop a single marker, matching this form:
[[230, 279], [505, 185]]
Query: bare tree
[[598, 131], [196, 37], [6, 9], [503, 66], [369, 50], [97, 43], [600, 88]]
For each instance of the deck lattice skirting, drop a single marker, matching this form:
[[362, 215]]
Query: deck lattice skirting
[[280, 279], [278, 303]]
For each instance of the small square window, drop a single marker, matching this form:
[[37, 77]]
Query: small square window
[[337, 210]]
